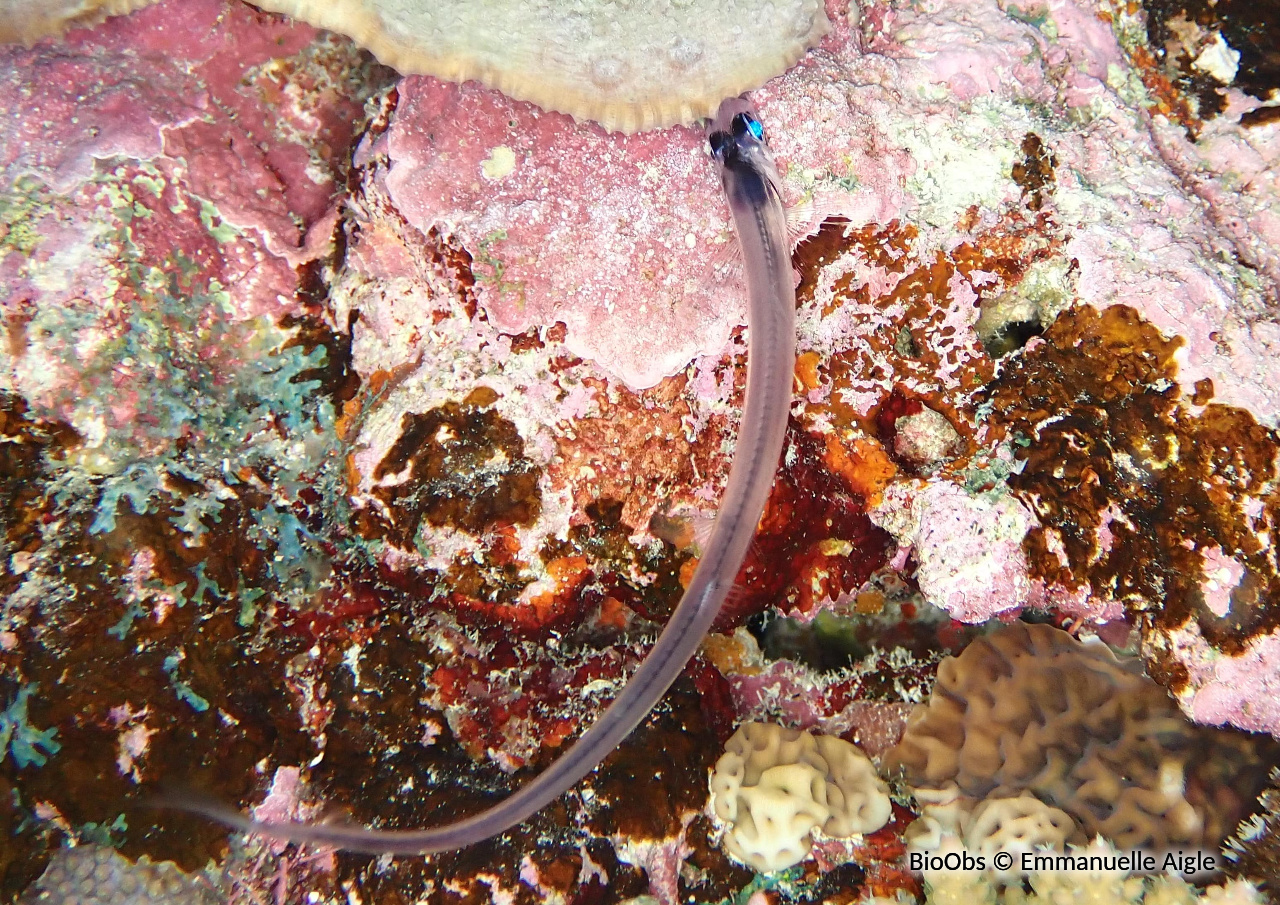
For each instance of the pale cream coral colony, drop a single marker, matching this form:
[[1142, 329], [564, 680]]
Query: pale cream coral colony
[[627, 66]]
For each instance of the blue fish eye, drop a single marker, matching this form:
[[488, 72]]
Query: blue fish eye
[[744, 123]]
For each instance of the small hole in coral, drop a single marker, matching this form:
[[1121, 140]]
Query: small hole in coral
[[1010, 337]]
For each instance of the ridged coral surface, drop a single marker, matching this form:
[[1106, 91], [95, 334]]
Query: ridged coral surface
[[627, 66], [97, 875], [1030, 709], [774, 786]]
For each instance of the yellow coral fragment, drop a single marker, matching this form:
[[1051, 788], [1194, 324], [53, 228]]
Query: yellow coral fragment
[[500, 162], [22, 21]]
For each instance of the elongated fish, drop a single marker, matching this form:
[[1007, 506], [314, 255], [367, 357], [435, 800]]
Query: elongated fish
[[751, 185]]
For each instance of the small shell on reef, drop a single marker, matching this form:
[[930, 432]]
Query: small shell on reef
[[592, 59]]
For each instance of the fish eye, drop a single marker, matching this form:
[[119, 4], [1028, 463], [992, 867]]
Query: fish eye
[[720, 142], [744, 123]]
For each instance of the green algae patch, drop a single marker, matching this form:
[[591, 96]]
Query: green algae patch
[[25, 200], [27, 746]]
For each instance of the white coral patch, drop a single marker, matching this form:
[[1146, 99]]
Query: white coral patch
[[774, 786]]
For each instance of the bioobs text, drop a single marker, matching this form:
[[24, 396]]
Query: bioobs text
[[1186, 863]]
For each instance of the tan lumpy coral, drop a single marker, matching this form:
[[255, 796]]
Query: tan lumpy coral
[[26, 21], [949, 823], [628, 66], [773, 787], [1031, 709], [1020, 824], [98, 875]]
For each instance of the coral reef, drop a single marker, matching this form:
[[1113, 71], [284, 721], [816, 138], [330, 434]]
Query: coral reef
[[1123, 455], [643, 206], [355, 438], [95, 875], [1012, 825], [968, 547], [628, 68], [1017, 825], [632, 67], [1029, 709]]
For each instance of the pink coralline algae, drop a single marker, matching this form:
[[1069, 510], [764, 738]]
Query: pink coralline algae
[[968, 550], [167, 91], [621, 238], [140, 162], [794, 696], [1241, 690], [995, 64]]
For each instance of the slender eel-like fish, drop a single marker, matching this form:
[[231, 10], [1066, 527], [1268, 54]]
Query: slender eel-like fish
[[751, 184]]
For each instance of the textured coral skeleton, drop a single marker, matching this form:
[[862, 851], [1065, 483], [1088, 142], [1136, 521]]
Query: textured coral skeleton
[[626, 66], [1028, 709], [336, 416], [773, 787]]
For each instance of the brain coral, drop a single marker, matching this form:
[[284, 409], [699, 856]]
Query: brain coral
[[628, 66], [1019, 824], [774, 786], [1029, 708]]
